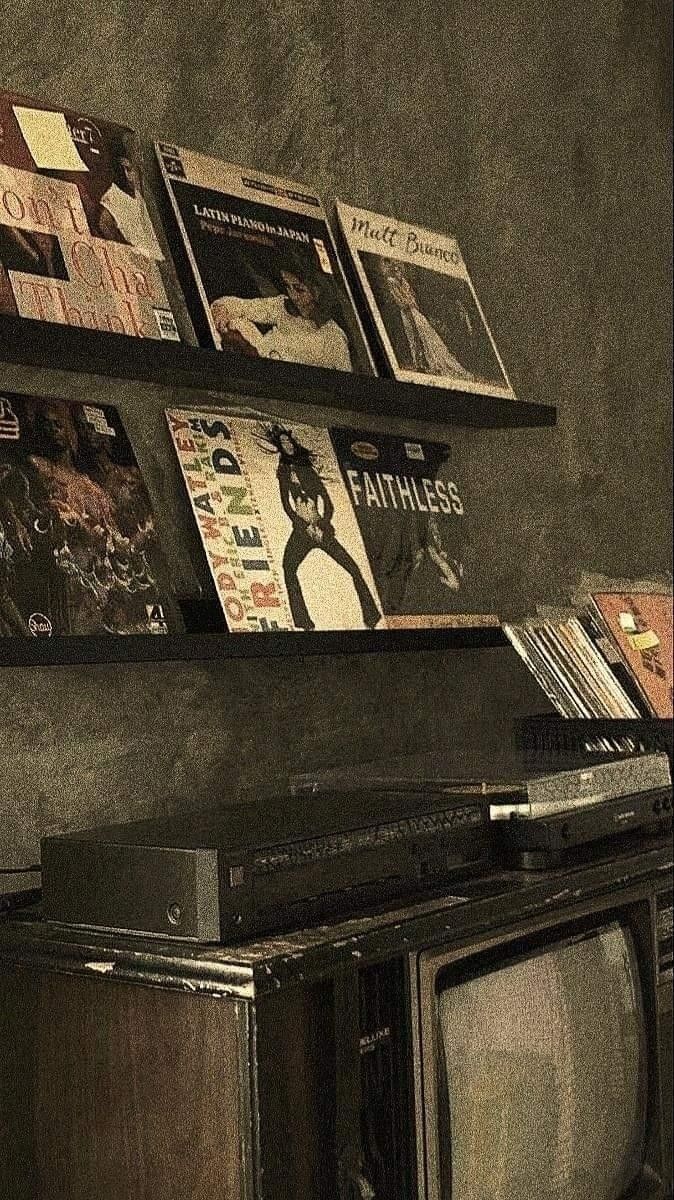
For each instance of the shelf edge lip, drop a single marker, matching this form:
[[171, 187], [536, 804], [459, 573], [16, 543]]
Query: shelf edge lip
[[213, 647], [24, 342]]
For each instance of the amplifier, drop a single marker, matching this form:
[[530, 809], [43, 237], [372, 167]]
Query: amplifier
[[539, 842], [262, 867]]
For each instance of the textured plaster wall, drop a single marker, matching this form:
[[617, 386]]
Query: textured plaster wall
[[540, 136]]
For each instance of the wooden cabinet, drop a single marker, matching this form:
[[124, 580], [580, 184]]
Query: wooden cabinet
[[282, 1069]]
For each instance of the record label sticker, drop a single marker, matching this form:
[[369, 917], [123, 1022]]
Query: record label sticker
[[172, 160], [647, 640], [365, 450], [156, 619], [97, 418], [39, 625], [168, 330], [49, 141]]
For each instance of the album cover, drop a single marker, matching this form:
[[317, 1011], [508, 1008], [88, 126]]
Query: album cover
[[258, 265], [77, 244], [422, 306], [601, 639], [413, 519], [640, 626], [79, 551], [276, 521]]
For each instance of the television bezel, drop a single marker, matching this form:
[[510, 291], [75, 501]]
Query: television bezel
[[636, 913]]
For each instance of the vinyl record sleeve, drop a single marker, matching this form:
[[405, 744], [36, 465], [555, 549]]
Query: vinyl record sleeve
[[77, 244], [570, 669], [422, 306], [79, 551], [314, 528], [640, 625], [413, 519], [276, 521], [600, 636], [258, 264]]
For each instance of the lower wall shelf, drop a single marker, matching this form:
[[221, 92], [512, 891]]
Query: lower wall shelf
[[210, 647]]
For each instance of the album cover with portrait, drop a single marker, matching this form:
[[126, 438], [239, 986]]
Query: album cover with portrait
[[276, 521], [422, 309], [77, 243], [79, 549], [258, 265]]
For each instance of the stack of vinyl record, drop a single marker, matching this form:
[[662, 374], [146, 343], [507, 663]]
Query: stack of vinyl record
[[610, 659], [570, 668]]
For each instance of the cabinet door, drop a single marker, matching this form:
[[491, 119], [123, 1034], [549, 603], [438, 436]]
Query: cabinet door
[[113, 1091], [296, 1080]]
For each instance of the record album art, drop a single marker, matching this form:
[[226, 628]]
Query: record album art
[[258, 265], [423, 310], [275, 518], [79, 552], [77, 244], [412, 514], [640, 627]]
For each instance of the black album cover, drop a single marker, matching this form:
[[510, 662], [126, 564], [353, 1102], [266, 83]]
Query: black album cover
[[258, 265], [412, 515], [79, 551]]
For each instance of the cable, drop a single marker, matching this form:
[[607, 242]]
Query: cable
[[35, 869]]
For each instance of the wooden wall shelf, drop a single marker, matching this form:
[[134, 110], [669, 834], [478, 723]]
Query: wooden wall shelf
[[172, 364]]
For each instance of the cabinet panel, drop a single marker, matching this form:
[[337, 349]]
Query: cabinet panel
[[297, 1081], [109, 1091]]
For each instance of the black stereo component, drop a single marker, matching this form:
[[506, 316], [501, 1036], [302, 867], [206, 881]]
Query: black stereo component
[[258, 868], [539, 842]]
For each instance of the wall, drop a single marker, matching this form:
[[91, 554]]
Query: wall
[[540, 137]]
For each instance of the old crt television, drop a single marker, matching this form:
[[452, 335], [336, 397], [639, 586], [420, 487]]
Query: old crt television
[[514, 1044], [540, 1065]]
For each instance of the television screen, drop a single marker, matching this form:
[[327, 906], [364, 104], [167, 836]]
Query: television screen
[[546, 1068]]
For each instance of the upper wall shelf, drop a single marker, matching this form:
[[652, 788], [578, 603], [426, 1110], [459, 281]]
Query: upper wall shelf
[[67, 348]]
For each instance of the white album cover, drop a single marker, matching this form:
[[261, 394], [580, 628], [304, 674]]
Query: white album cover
[[422, 304], [277, 524]]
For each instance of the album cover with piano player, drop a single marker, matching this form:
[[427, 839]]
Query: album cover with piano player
[[257, 263]]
